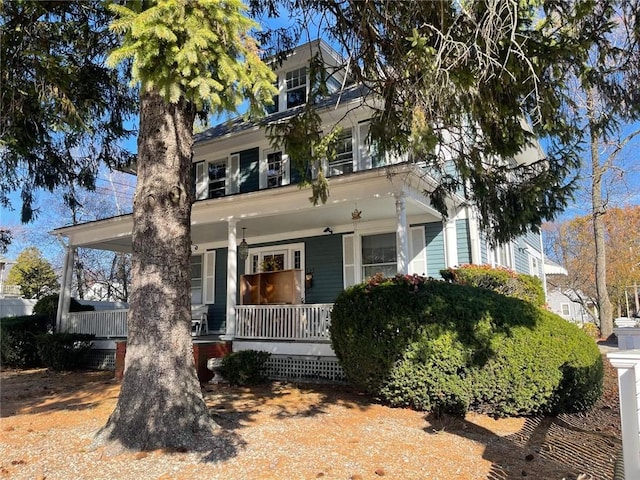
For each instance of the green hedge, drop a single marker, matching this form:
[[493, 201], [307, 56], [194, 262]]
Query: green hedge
[[63, 351], [18, 339], [246, 367], [501, 280], [48, 306], [444, 347]]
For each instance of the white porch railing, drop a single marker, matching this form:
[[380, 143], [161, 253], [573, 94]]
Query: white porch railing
[[101, 323], [307, 322], [10, 290], [284, 322]]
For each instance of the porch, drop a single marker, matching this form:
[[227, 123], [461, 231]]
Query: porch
[[297, 336], [290, 323]]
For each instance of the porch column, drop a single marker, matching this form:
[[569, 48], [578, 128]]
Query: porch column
[[64, 298], [402, 237], [451, 243], [232, 280]]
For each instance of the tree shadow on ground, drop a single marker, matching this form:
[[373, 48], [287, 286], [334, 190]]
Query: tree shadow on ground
[[235, 408], [542, 445], [41, 390]]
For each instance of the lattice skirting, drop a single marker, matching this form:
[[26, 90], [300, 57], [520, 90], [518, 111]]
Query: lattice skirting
[[279, 367], [101, 359], [309, 369]]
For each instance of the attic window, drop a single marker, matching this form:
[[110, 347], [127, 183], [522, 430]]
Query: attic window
[[296, 87]]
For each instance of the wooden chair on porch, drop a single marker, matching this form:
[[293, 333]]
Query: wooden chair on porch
[[199, 320]]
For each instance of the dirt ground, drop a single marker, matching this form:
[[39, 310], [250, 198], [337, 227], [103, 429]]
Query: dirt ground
[[282, 431]]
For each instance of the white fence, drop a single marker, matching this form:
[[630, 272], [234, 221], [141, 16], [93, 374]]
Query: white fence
[[102, 323], [15, 307], [284, 322], [627, 362]]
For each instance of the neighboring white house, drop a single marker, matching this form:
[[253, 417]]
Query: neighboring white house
[[251, 213], [563, 301]]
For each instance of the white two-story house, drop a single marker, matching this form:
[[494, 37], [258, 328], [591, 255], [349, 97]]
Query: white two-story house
[[267, 264]]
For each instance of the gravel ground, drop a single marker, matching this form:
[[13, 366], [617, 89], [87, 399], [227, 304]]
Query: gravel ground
[[286, 431]]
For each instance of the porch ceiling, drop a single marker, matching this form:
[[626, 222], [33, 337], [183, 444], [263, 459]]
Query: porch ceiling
[[269, 213]]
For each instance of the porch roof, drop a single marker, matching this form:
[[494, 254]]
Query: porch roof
[[268, 213]]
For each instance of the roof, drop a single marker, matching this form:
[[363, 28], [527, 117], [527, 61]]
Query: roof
[[241, 124], [553, 268]]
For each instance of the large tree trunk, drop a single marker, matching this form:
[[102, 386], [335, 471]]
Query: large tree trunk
[[160, 402], [598, 210]]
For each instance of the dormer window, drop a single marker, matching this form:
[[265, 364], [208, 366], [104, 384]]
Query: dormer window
[[296, 87]]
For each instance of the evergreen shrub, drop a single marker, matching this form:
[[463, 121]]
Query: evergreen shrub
[[18, 340], [444, 347], [63, 351], [48, 305], [501, 280], [246, 367]]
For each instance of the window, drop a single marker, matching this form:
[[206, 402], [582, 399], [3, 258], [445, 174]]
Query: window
[[502, 256], [282, 257], [196, 280], [379, 255], [273, 262], [198, 186], [296, 87], [564, 310], [217, 178], [274, 169], [535, 267], [202, 270], [343, 161]]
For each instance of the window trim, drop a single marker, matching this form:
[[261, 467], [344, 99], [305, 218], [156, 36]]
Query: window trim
[[207, 277], [224, 187], [339, 163], [191, 277], [289, 248], [264, 168], [300, 85], [395, 245]]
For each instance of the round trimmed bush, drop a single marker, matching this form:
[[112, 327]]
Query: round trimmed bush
[[246, 367], [444, 347], [498, 279]]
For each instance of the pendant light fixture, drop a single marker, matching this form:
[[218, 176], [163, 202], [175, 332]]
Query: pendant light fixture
[[243, 248]]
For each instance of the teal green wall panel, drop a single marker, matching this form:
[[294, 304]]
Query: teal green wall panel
[[324, 260], [249, 170], [463, 241], [434, 238]]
